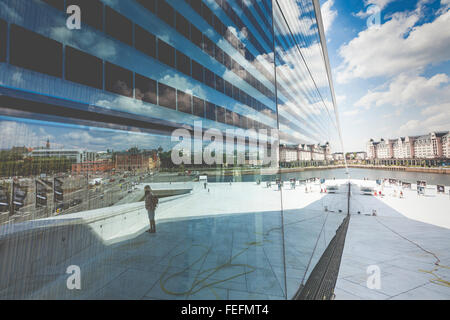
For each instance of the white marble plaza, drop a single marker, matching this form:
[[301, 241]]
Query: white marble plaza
[[404, 242], [222, 242], [225, 241]]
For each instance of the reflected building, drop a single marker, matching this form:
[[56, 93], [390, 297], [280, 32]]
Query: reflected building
[[148, 74]]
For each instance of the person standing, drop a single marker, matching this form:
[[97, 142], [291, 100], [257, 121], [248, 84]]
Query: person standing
[[151, 201]]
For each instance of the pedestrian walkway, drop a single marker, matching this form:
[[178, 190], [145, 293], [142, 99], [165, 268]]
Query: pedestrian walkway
[[412, 257], [221, 244]]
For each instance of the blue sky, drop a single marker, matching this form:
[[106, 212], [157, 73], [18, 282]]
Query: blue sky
[[391, 79]]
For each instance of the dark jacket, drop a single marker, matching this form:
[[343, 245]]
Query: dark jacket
[[150, 201]]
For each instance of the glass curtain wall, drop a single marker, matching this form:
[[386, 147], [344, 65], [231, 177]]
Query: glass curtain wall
[[99, 99], [308, 125]]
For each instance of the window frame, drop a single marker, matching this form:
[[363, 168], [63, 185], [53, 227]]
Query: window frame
[[116, 25], [19, 52], [184, 102], [145, 41], [162, 101], [166, 53], [72, 53], [110, 67], [149, 95]]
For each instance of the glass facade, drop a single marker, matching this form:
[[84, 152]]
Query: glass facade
[[207, 102]]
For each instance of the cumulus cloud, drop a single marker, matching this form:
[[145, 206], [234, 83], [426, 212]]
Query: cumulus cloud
[[351, 113], [102, 47], [341, 98], [433, 118], [80, 139], [16, 134], [294, 70], [409, 90], [328, 14], [381, 4], [429, 95], [298, 17], [445, 5], [396, 46], [17, 78]]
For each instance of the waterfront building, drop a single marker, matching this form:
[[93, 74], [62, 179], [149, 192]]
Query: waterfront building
[[403, 147], [92, 167], [430, 146], [398, 148], [288, 154], [326, 148], [361, 155], [304, 152], [338, 156], [134, 160], [78, 156], [446, 146], [153, 162], [317, 152], [384, 149], [372, 149]]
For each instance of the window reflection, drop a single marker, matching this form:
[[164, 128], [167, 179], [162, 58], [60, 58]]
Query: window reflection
[[145, 41], [92, 73], [47, 53], [86, 121], [167, 96], [3, 37], [118, 80], [118, 26], [145, 89]]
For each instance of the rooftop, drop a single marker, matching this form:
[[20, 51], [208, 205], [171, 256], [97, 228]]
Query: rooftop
[[216, 244]]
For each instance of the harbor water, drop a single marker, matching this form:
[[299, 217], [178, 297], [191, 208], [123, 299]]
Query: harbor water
[[355, 173]]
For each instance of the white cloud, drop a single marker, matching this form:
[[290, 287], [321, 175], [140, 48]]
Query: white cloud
[[351, 113], [103, 48], [82, 139], [445, 5], [328, 14], [433, 118], [380, 4], [298, 18], [16, 134], [396, 46], [295, 71], [430, 96], [17, 78], [341, 98], [407, 90]]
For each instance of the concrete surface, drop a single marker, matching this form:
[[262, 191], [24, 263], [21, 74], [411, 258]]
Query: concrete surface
[[223, 242], [230, 241], [400, 243]]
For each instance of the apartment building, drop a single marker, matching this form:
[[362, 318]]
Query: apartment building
[[433, 145]]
